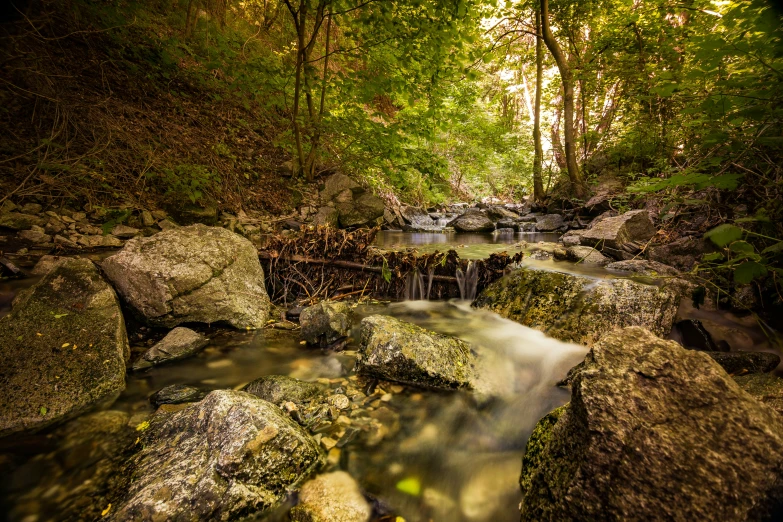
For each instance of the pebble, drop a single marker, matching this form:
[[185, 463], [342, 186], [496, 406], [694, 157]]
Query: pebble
[[339, 401], [328, 443], [386, 397]]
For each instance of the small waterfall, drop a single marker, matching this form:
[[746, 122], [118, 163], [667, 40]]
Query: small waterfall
[[442, 222], [468, 281], [414, 286]]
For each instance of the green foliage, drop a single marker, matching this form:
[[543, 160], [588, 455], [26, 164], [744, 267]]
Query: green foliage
[[189, 180]]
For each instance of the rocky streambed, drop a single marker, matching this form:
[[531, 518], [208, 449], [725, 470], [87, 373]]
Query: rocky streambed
[[161, 384]]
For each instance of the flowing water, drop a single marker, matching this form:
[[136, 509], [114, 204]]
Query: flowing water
[[434, 456]]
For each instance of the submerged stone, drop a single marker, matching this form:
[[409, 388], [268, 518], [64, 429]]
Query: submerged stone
[[191, 274], [278, 389], [229, 456], [63, 347], [332, 497], [579, 309], [179, 343], [654, 432], [326, 322], [398, 351], [176, 394]]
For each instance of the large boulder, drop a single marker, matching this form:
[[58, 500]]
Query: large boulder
[[654, 432], [227, 457], [399, 351], [621, 236], [63, 347], [549, 222], [191, 274], [472, 221], [324, 323], [332, 497], [579, 309], [179, 343], [354, 205], [499, 213], [643, 267]]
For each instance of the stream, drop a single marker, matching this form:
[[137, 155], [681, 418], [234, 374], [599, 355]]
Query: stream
[[435, 456]]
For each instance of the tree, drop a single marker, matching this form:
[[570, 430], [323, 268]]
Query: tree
[[538, 185], [577, 183]]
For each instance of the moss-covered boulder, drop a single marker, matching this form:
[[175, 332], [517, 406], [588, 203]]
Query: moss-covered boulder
[[579, 309], [398, 351], [63, 348], [229, 456], [278, 389], [191, 274], [325, 322], [19, 221], [654, 432]]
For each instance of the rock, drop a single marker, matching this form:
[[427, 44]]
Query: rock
[[324, 323], [654, 432], [79, 216], [176, 394], [187, 213], [694, 336], [327, 217], [178, 344], [124, 231], [336, 184], [763, 387], [63, 347], [224, 458], [31, 208], [167, 224], [743, 363], [361, 210], [45, 264], [147, 219], [19, 221], [159, 214], [278, 389], [398, 351], [549, 222], [65, 242], [622, 235], [35, 237], [682, 253], [416, 216], [579, 309], [92, 241], [499, 213], [191, 274], [332, 497], [587, 255], [472, 221], [7, 206], [111, 241], [643, 267]]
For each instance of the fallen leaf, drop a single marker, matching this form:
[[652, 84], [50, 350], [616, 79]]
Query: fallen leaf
[[106, 511]]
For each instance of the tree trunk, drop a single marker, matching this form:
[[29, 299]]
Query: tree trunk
[[311, 157], [538, 158], [300, 18], [577, 182]]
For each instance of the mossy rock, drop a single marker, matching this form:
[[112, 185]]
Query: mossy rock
[[579, 309], [398, 351], [63, 347]]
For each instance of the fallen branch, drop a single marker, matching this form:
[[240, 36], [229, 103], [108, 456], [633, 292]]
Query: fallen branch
[[338, 263]]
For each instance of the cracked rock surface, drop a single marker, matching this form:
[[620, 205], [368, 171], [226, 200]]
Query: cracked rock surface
[[191, 274]]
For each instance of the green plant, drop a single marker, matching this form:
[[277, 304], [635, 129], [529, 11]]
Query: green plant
[[190, 180]]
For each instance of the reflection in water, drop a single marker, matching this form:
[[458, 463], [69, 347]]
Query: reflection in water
[[468, 245]]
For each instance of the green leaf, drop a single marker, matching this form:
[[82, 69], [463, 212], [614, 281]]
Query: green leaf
[[748, 271], [724, 234], [742, 247], [777, 247], [43, 410], [410, 485]]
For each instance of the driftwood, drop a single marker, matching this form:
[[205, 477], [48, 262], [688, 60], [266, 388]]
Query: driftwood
[[319, 263], [339, 263]]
